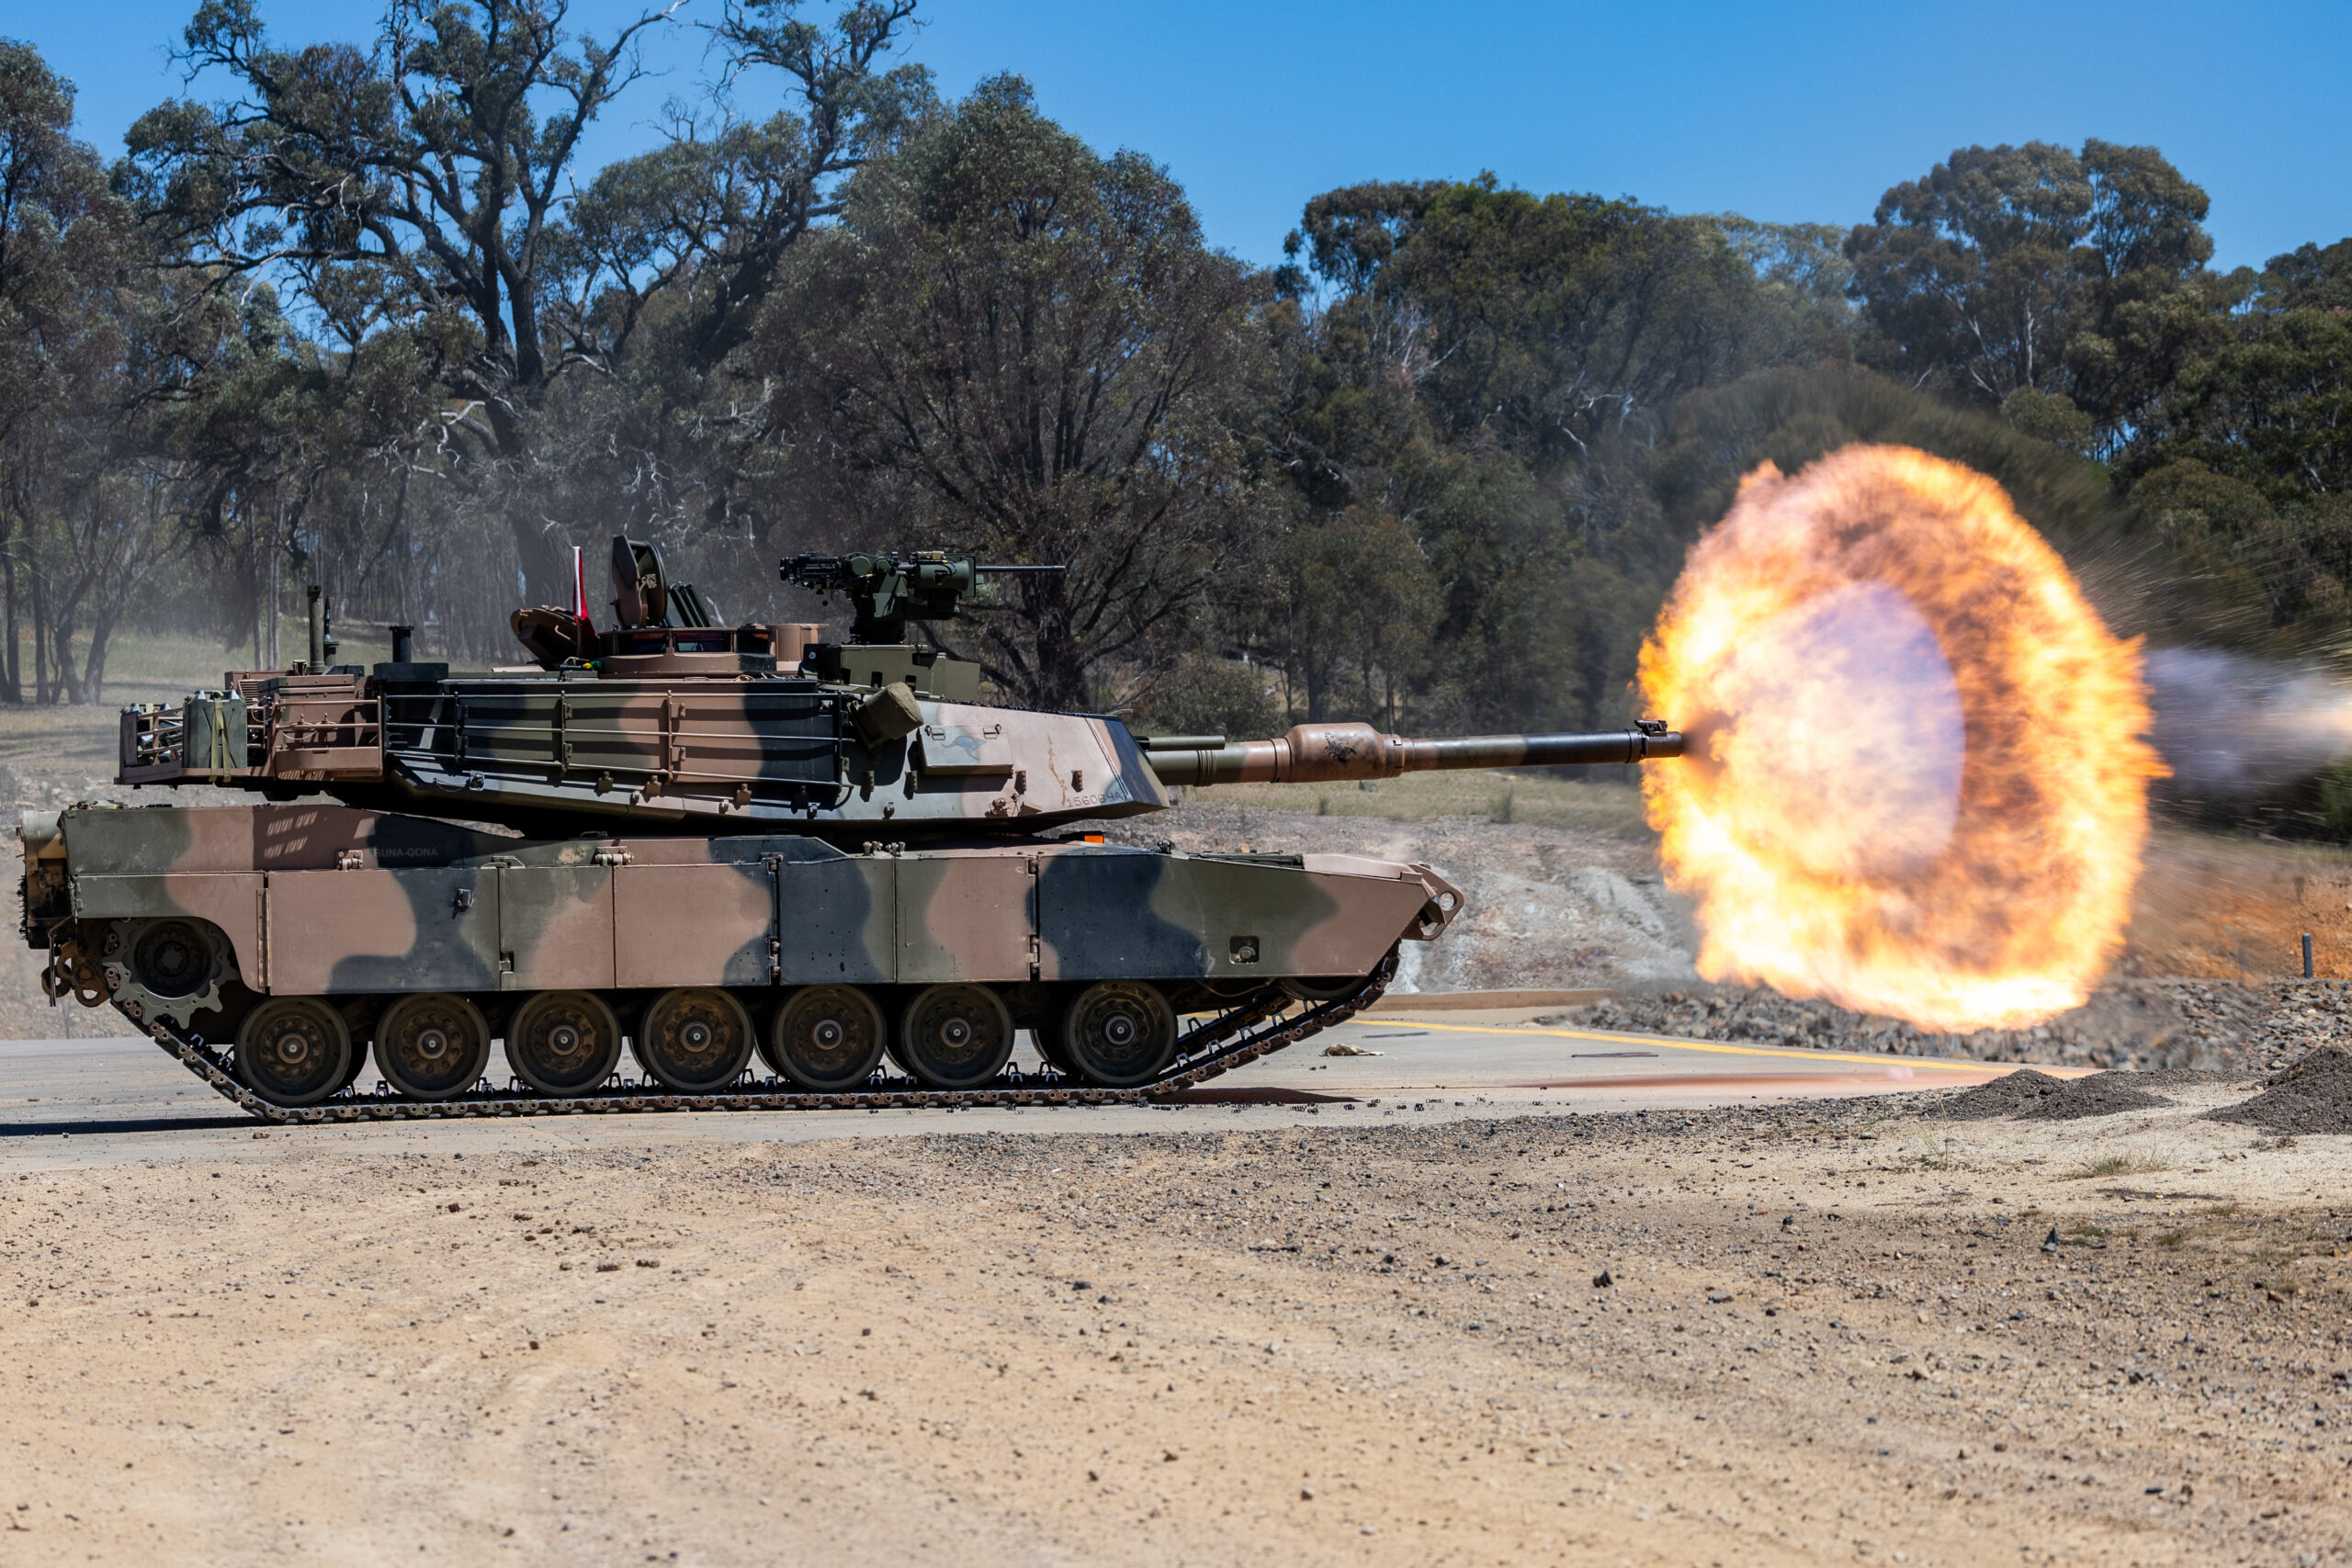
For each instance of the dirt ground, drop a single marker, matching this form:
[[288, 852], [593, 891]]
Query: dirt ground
[[1856, 1331]]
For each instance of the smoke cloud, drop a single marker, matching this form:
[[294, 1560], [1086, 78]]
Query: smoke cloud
[[2228, 725]]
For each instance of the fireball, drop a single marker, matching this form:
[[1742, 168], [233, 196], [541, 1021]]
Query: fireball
[[1915, 781]]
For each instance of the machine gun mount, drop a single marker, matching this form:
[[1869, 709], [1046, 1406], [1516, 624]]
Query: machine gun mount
[[888, 591]]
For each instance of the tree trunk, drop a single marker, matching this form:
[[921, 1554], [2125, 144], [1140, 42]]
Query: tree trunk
[[1060, 672], [40, 642], [11, 688], [69, 684], [94, 662]]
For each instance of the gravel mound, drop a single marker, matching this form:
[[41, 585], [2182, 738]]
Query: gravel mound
[[2101, 1094], [2006, 1096], [2198, 1025], [2028, 1096], [2313, 1096]]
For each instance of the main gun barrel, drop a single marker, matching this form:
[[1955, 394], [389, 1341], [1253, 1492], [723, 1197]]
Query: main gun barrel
[[1325, 754]]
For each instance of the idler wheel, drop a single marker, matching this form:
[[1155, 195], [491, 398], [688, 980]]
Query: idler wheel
[[693, 1040], [827, 1038], [1118, 1033], [563, 1042], [955, 1036], [293, 1051], [433, 1046]]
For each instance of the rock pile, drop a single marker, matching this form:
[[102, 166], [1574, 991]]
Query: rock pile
[[2313, 1096], [2028, 1096], [2209, 1025]]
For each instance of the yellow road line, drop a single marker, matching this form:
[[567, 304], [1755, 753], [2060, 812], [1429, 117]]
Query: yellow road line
[[1709, 1045]]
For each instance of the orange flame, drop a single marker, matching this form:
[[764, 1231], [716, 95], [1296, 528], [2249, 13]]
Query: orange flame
[[1916, 781]]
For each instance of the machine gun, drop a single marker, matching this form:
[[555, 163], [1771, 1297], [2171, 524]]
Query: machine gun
[[889, 590]]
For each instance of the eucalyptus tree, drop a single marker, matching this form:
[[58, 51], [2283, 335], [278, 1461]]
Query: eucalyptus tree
[[1020, 345], [2038, 270], [706, 218], [428, 173], [668, 257], [427, 169], [85, 345]]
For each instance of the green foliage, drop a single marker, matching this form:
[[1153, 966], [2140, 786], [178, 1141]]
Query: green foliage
[[91, 343], [1555, 320], [2335, 802], [1362, 606], [1203, 694], [1456, 357], [2273, 403], [2049, 417], [2285, 565], [2077, 275], [2248, 478], [1791, 417], [1801, 313], [417, 189]]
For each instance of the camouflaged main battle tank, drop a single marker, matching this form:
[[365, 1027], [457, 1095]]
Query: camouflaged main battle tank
[[734, 841]]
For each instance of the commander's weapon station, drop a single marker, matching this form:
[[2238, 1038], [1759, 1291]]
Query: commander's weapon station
[[888, 591]]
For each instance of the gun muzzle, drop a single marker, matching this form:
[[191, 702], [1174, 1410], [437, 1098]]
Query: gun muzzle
[[1326, 753]]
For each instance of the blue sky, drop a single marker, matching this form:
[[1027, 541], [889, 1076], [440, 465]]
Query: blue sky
[[1783, 112]]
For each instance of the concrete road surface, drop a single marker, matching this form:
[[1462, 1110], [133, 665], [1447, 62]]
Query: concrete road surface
[[103, 1101]]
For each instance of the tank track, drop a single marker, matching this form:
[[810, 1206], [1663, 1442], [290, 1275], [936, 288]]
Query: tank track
[[1215, 1046]]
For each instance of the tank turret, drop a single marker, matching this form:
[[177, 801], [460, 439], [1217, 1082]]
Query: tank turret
[[670, 722]]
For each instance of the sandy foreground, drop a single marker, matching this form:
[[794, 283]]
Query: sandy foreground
[[1832, 1331]]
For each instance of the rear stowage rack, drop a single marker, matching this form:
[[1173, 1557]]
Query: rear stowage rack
[[1216, 1044]]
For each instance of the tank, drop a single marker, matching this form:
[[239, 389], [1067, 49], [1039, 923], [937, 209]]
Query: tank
[[684, 864]]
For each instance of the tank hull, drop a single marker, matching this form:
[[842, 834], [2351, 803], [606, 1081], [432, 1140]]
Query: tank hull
[[360, 909]]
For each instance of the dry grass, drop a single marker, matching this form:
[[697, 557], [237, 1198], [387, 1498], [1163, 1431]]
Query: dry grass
[[2229, 906], [2117, 1165], [1932, 1156], [1605, 806]]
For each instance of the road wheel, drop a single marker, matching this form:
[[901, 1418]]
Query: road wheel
[[828, 1038], [1321, 988], [1118, 1033], [433, 1046], [955, 1036], [693, 1040], [564, 1043], [293, 1051]]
